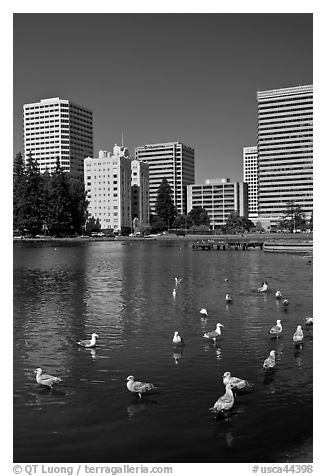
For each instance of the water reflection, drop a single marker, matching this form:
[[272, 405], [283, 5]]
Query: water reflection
[[177, 354], [124, 293], [139, 405]]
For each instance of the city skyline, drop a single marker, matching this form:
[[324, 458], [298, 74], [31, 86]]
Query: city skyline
[[183, 77]]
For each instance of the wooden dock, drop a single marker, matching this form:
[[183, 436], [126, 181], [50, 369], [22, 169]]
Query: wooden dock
[[210, 245]]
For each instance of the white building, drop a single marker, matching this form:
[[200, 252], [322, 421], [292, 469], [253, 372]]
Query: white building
[[219, 197], [285, 151], [56, 128], [108, 186], [140, 192], [174, 161], [250, 176]]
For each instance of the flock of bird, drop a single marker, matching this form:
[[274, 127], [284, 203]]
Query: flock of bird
[[232, 384]]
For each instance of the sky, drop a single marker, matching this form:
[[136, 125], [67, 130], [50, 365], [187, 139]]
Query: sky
[[161, 77]]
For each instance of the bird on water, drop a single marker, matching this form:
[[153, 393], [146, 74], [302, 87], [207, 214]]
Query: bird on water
[[270, 362], [277, 329], [138, 387], [89, 343], [214, 334], [45, 379], [177, 339], [235, 382], [263, 287], [225, 402]]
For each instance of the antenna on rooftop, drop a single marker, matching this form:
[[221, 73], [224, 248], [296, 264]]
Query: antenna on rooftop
[[122, 139]]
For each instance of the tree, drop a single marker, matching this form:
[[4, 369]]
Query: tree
[[19, 185], [32, 209], [199, 216], [182, 221], [165, 208], [78, 204], [60, 216], [157, 224], [293, 217], [92, 225], [237, 224]]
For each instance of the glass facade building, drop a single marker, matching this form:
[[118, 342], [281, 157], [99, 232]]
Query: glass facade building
[[55, 129], [285, 150], [174, 161]]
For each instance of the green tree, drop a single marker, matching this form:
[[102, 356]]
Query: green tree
[[182, 221], [237, 224], [293, 217], [165, 208], [92, 225], [198, 216], [157, 224], [33, 208], [19, 185], [78, 204], [60, 216]]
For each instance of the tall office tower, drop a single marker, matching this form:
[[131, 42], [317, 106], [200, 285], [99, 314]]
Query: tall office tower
[[57, 128], [108, 186], [250, 168], [140, 192], [174, 161], [285, 151], [219, 197]]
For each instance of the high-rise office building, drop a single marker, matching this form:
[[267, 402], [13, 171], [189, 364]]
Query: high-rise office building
[[140, 192], [174, 161], [250, 168], [55, 129], [219, 197], [108, 187], [285, 151]]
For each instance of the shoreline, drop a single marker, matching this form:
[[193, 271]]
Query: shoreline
[[190, 237]]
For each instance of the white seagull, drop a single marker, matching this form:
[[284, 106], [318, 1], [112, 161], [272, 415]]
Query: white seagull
[[214, 334], [285, 302], [177, 339], [174, 293], [228, 298], [225, 402], [277, 329], [263, 287], [203, 311], [235, 382], [278, 295], [138, 387], [298, 335], [45, 379], [269, 363], [177, 281], [88, 343], [309, 321]]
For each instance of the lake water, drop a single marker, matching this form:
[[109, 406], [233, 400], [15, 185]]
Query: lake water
[[123, 292]]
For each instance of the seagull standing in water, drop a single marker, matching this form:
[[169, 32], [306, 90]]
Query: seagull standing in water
[[203, 312], [235, 382], [263, 287], [277, 329], [177, 339], [45, 379], [225, 402], [174, 293], [214, 334], [88, 343], [308, 321], [285, 302], [278, 295], [298, 335], [228, 298], [269, 363], [138, 387]]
